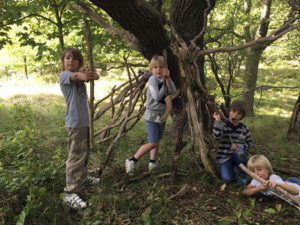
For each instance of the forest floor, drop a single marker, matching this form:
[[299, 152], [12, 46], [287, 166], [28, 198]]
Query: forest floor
[[33, 150]]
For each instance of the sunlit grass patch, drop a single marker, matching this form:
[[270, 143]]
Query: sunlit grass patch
[[10, 86]]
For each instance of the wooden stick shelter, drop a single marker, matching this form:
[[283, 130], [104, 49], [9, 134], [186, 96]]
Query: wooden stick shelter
[[280, 189]]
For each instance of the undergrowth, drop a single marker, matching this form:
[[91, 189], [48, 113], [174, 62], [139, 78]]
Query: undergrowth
[[33, 150]]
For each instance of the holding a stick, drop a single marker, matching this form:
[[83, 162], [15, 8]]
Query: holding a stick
[[234, 141], [268, 183]]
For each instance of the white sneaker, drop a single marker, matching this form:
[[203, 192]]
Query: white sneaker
[[152, 166], [74, 201], [129, 166], [91, 180]]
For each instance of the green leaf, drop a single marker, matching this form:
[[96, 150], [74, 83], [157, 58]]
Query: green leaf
[[270, 210], [278, 207], [97, 222], [42, 191]]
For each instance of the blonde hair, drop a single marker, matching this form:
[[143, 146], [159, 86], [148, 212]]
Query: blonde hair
[[157, 59], [259, 161]]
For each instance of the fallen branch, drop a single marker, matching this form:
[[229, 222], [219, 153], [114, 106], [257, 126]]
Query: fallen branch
[[180, 193], [280, 189], [145, 174]]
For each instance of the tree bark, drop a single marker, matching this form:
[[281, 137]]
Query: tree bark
[[188, 20], [140, 19], [253, 58], [294, 127], [250, 78]]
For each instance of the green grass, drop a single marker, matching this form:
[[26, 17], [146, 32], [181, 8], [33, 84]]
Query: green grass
[[33, 150]]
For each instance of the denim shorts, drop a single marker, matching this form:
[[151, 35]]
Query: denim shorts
[[155, 131]]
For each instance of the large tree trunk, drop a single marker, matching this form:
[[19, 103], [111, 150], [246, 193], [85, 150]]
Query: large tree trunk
[[143, 21], [253, 58], [146, 23], [250, 78], [294, 127]]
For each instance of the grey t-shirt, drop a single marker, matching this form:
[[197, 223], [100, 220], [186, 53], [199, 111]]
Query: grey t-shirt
[[77, 114]]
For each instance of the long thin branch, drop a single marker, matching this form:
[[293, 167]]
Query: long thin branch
[[261, 180], [80, 6], [262, 87], [206, 11], [269, 38], [15, 21]]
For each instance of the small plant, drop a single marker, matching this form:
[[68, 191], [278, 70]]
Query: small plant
[[241, 214], [278, 209]]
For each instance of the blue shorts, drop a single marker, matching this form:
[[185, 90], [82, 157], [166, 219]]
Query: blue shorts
[[155, 131]]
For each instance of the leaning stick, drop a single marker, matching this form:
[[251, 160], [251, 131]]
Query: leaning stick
[[168, 101], [166, 65], [261, 180], [92, 85], [169, 97]]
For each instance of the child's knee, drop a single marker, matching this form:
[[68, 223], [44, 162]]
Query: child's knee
[[241, 155], [154, 145], [227, 177]]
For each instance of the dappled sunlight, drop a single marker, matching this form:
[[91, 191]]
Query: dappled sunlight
[[10, 87], [274, 111]]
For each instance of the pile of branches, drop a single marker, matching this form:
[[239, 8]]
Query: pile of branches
[[124, 111]]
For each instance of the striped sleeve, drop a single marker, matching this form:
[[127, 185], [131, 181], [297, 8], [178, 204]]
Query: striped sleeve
[[218, 130]]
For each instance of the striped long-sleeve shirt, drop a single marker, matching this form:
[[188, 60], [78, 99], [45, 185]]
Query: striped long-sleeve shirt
[[239, 134]]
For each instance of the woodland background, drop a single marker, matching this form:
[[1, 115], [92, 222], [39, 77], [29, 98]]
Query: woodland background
[[125, 34]]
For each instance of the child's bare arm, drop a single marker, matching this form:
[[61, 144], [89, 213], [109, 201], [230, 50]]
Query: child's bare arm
[[87, 75], [251, 190], [289, 188]]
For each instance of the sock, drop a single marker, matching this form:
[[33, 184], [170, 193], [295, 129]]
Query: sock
[[152, 161], [133, 159]]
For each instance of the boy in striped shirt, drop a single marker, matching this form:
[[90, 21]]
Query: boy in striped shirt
[[234, 143]]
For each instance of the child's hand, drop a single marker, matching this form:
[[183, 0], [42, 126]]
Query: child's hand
[[166, 74], [216, 116], [272, 184], [233, 146], [90, 75], [263, 187]]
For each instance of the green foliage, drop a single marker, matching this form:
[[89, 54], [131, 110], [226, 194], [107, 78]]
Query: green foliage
[[24, 171], [33, 149], [31, 29], [242, 215]]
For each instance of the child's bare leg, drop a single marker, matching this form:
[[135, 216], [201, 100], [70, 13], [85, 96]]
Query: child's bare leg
[[153, 153], [144, 149]]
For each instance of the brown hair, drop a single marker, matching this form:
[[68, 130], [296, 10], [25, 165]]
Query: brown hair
[[259, 161], [239, 105], [157, 59], [75, 53]]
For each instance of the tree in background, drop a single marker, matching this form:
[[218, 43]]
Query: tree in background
[[255, 52], [177, 26]]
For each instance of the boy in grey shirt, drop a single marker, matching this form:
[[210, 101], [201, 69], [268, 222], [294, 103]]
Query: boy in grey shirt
[[77, 124]]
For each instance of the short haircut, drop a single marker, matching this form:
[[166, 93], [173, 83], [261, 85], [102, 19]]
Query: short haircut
[[157, 59], [75, 53], [259, 161], [239, 105]]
